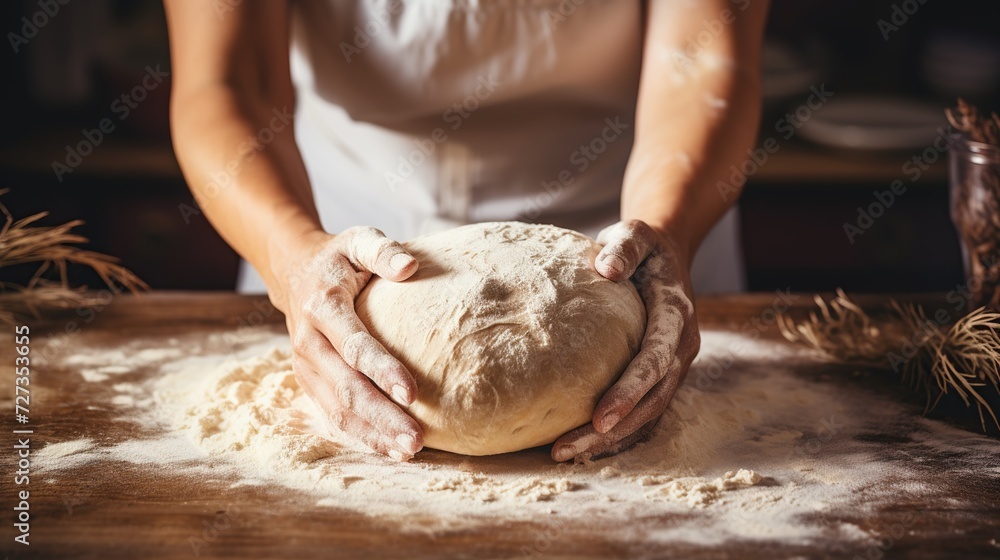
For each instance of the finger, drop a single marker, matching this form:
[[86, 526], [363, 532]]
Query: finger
[[365, 401], [669, 318], [658, 357], [616, 447], [353, 425], [596, 446], [369, 249], [348, 423], [363, 353], [626, 245], [336, 323], [318, 392], [586, 439], [398, 437]]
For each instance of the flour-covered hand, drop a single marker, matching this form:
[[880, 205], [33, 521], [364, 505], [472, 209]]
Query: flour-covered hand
[[338, 363], [632, 406]]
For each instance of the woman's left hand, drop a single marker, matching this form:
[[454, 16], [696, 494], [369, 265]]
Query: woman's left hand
[[632, 406]]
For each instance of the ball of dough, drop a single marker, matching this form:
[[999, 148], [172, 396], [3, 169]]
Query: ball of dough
[[511, 334]]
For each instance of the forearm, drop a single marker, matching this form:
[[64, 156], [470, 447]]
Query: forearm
[[696, 115], [671, 179], [240, 160]]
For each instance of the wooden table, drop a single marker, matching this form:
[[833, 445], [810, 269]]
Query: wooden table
[[129, 511]]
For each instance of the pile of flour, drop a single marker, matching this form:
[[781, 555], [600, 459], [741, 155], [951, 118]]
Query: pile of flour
[[750, 448], [253, 410]]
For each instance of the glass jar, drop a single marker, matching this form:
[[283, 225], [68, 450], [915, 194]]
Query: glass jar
[[974, 178]]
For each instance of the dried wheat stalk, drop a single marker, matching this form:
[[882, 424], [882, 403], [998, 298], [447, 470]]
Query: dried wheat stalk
[[963, 357], [967, 118], [52, 247]]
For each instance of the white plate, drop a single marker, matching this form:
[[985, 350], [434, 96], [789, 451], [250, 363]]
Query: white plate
[[874, 123]]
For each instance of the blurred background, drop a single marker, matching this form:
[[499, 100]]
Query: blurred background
[[853, 107]]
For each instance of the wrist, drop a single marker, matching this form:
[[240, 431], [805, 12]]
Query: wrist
[[661, 210], [684, 246], [675, 236], [290, 245]]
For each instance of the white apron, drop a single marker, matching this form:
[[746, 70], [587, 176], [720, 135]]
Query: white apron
[[423, 115]]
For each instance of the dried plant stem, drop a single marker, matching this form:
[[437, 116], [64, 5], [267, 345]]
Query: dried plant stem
[[967, 118], [963, 358], [52, 248]]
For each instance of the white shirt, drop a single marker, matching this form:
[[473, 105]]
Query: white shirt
[[421, 115]]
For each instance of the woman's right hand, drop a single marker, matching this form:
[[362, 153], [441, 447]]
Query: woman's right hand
[[357, 384]]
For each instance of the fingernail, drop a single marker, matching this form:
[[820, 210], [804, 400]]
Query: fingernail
[[400, 261], [407, 442], [397, 455], [609, 421], [400, 394], [614, 263], [564, 452]]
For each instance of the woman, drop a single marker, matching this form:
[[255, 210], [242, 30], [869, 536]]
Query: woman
[[416, 116]]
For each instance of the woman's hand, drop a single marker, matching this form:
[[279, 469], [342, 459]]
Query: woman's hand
[[345, 371], [633, 405]]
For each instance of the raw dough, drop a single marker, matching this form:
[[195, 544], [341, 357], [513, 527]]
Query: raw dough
[[511, 333]]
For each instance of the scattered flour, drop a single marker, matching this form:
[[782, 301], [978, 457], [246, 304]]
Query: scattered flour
[[136, 359], [123, 400], [253, 408], [64, 449], [487, 489], [95, 375], [699, 492], [749, 449], [65, 454], [167, 450]]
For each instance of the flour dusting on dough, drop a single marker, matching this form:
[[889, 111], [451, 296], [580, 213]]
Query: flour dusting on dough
[[510, 332]]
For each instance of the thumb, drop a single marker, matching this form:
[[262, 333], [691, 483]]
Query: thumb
[[368, 248], [626, 245]]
